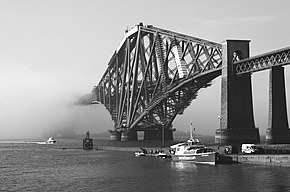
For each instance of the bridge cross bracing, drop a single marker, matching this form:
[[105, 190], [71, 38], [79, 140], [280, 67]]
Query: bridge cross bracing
[[154, 74]]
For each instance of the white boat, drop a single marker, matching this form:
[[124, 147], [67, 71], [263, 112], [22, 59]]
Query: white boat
[[193, 150], [142, 152], [51, 140], [163, 155], [139, 154], [158, 153]]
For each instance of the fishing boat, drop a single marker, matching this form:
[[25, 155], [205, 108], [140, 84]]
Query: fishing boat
[[193, 150]]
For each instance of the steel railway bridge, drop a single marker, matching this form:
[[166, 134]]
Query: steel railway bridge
[[154, 74]]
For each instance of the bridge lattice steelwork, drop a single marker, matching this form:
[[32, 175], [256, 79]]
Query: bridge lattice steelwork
[[154, 75], [263, 61]]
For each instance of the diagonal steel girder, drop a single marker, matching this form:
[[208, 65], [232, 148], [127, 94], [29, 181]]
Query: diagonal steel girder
[[154, 75]]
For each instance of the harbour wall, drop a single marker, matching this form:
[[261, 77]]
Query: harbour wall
[[281, 160], [111, 148]]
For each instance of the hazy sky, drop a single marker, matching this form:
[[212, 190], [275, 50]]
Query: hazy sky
[[56, 50]]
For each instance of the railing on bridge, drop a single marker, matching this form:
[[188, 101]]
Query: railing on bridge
[[264, 61]]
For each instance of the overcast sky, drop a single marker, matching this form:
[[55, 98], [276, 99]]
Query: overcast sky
[[53, 51]]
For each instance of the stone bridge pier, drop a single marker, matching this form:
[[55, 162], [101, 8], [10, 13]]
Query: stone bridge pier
[[151, 134], [278, 129], [236, 118]]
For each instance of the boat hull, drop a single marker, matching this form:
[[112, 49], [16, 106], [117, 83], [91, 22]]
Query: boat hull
[[209, 159], [139, 154]]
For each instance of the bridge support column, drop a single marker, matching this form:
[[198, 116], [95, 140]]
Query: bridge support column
[[115, 136], [157, 135], [236, 119], [278, 129], [130, 135]]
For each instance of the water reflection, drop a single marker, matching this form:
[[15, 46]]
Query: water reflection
[[274, 178], [229, 177], [32, 167], [184, 165], [253, 178]]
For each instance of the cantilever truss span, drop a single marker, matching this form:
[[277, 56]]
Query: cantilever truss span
[[154, 75]]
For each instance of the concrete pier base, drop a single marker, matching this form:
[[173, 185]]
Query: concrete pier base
[[237, 117], [277, 136], [150, 135], [115, 136], [157, 135], [130, 135], [240, 135]]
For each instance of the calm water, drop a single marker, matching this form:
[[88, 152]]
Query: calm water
[[66, 167]]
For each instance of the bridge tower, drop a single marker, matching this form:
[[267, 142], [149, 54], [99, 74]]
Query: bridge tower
[[236, 119], [278, 128]]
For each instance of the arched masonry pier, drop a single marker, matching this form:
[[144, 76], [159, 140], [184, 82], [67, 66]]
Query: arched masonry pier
[[236, 119], [278, 128]]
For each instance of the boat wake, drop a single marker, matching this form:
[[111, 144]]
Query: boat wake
[[51, 140], [23, 142], [37, 142]]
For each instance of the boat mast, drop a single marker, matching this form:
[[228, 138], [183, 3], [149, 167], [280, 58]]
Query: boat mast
[[191, 131]]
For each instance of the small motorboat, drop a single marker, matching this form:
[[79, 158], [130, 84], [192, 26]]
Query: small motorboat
[[142, 152], [51, 140], [163, 155]]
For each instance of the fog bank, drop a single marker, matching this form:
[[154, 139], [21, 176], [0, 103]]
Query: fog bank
[[36, 101]]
